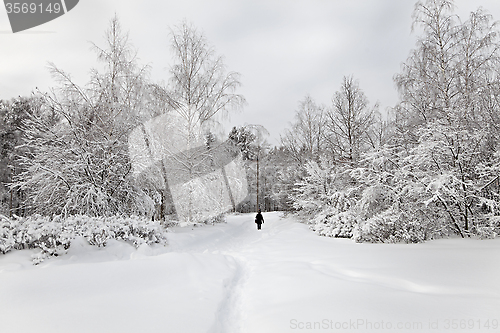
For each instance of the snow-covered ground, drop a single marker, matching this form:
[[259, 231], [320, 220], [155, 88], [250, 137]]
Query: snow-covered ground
[[231, 278]]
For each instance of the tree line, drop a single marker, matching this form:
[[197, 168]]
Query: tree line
[[427, 168], [66, 151], [430, 167]]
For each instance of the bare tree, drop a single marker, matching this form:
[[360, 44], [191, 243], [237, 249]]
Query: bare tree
[[477, 66], [349, 120], [305, 138], [199, 81], [450, 75], [381, 131]]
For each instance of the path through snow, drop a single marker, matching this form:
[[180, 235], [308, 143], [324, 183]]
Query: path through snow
[[231, 278]]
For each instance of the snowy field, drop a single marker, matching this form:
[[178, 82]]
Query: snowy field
[[231, 278]]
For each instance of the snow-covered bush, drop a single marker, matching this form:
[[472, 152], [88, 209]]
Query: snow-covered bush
[[336, 219], [323, 185], [487, 228], [53, 236], [391, 226], [335, 225], [7, 241], [221, 218], [374, 200]]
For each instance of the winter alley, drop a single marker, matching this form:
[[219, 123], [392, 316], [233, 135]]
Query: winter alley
[[232, 278]]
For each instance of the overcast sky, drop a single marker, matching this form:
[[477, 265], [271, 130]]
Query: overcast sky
[[283, 49]]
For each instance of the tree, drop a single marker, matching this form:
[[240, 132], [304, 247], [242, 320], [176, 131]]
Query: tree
[[348, 121], [175, 152], [280, 178], [250, 140], [203, 92], [305, 139], [311, 194], [450, 76], [447, 88], [78, 161], [12, 115], [199, 83], [244, 139], [261, 147], [382, 130], [433, 170], [325, 198]]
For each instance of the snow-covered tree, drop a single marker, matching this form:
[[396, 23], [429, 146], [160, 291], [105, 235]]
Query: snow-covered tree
[[393, 203], [447, 110], [326, 196], [280, 176], [78, 161], [451, 75], [251, 141], [12, 114], [200, 92], [244, 139], [447, 159]]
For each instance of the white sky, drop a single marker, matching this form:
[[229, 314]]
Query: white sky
[[283, 49]]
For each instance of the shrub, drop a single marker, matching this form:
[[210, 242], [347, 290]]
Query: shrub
[[53, 236]]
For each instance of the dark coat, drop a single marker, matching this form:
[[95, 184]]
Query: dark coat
[[259, 219]]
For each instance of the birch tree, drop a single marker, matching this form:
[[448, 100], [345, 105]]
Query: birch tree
[[349, 120], [199, 82], [447, 88], [203, 92], [451, 74], [305, 140]]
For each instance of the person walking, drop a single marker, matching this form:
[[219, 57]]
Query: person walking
[[259, 219]]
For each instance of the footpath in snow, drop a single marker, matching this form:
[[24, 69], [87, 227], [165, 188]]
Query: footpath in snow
[[231, 278]]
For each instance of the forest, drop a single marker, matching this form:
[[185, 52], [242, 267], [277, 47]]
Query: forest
[[427, 168]]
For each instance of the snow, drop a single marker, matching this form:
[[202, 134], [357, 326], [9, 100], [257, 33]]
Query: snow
[[233, 278]]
